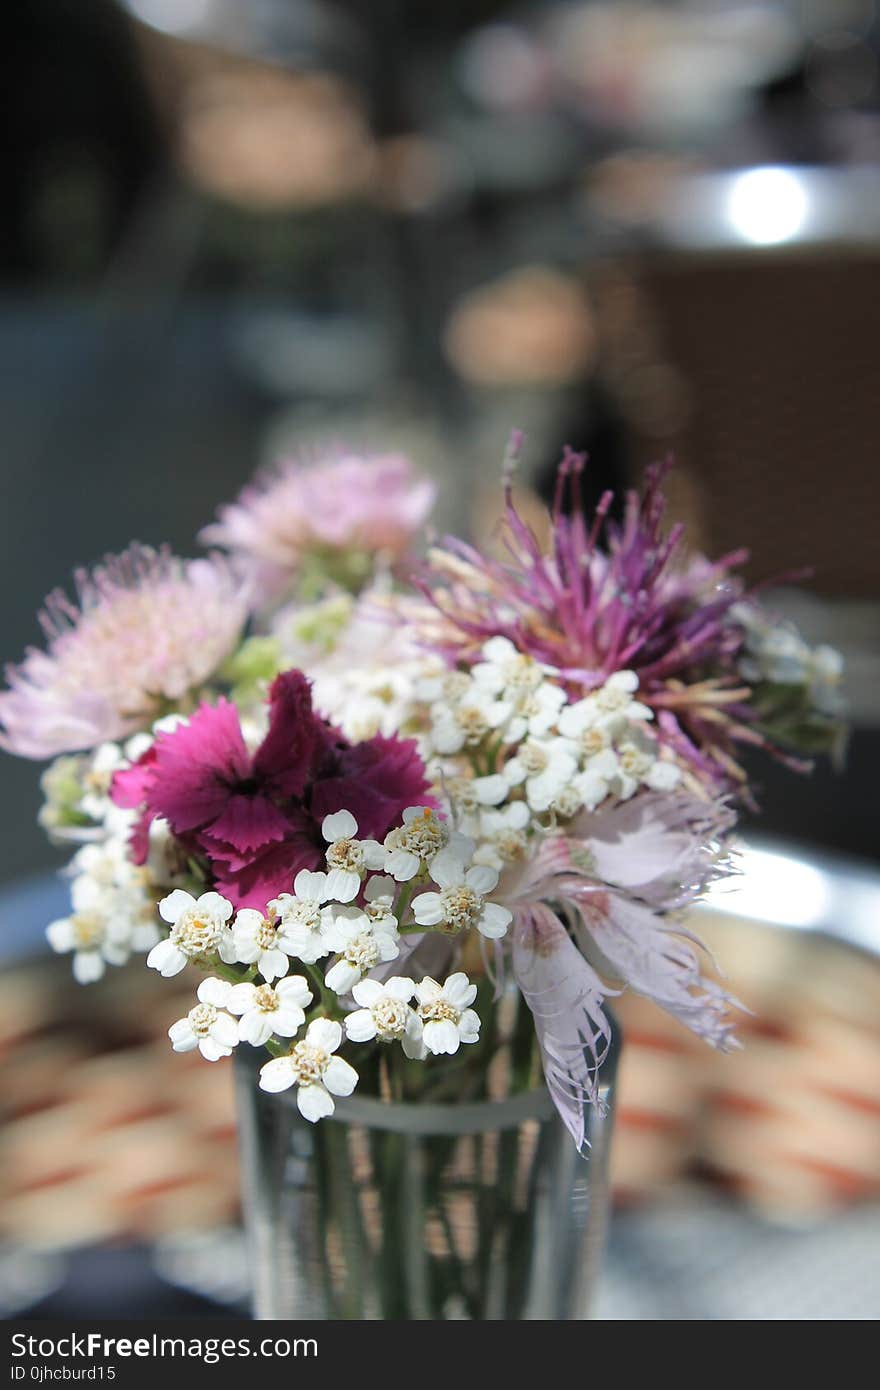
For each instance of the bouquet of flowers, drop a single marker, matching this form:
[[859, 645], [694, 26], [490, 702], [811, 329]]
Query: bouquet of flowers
[[372, 796]]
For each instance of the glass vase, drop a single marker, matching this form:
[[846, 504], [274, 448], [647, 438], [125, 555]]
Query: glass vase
[[399, 1210]]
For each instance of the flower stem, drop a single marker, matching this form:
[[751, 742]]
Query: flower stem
[[328, 998], [401, 907], [233, 973]]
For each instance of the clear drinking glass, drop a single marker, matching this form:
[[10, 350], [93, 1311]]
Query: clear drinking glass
[[398, 1210]]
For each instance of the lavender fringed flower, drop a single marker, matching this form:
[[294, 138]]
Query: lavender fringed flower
[[588, 612], [146, 629], [565, 996], [348, 510], [595, 913]]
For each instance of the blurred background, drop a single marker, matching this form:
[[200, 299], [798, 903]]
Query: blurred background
[[234, 226]]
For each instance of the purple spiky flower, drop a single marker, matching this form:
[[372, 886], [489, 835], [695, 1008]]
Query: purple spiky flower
[[609, 597]]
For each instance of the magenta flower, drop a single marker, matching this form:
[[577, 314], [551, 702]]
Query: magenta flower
[[255, 819], [148, 628], [345, 506], [589, 612]]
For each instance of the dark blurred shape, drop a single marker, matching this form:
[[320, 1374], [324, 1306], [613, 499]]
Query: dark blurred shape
[[592, 424], [81, 137], [779, 357], [122, 1283]]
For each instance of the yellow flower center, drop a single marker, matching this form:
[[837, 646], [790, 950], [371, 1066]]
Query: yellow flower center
[[196, 935], [88, 930], [390, 1016], [201, 1018], [439, 1010], [521, 673], [308, 1063], [511, 845], [347, 855], [362, 951], [473, 722], [267, 934], [533, 758], [265, 999], [461, 908], [593, 741]]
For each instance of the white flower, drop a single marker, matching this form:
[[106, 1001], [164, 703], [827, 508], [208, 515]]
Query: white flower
[[443, 687], [105, 862], [544, 766], [304, 917], [361, 945], [311, 1066], [536, 712], [96, 936], [386, 1014], [380, 893], [106, 760], [445, 1015], [259, 939], [520, 681], [597, 780], [207, 1027], [136, 910], [466, 721], [614, 698], [414, 845], [609, 708], [777, 653], [586, 726], [638, 765], [268, 1009], [506, 671], [503, 835], [826, 680], [199, 927], [348, 858], [469, 795], [461, 903]]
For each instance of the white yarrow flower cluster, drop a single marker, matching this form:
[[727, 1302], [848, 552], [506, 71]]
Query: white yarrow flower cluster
[[200, 930], [315, 1070], [776, 652], [440, 1021], [506, 694], [551, 758], [112, 915], [411, 849], [615, 753], [207, 1026], [462, 902]]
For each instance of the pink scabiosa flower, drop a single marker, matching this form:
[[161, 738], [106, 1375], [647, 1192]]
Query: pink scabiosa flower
[[255, 818], [588, 612], [147, 628], [340, 511]]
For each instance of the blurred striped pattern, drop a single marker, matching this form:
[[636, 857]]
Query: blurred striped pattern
[[109, 1135]]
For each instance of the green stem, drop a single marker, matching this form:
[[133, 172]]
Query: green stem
[[233, 973], [401, 907], [328, 998]]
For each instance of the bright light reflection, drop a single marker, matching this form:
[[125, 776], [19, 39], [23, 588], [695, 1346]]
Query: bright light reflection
[[767, 206], [773, 888], [171, 16]]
